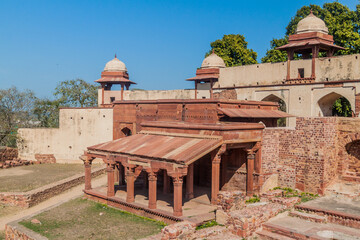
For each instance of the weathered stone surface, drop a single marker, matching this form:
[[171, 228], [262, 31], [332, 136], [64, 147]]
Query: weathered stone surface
[[221, 217]]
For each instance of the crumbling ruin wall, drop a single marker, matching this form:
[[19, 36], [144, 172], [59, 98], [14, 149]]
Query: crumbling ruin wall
[[305, 157], [7, 153], [349, 148]]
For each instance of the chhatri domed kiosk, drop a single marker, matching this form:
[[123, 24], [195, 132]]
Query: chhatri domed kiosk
[[115, 72], [208, 73], [310, 38]]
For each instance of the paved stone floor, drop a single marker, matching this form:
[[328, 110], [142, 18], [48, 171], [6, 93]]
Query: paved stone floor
[[199, 205], [324, 231], [334, 204]]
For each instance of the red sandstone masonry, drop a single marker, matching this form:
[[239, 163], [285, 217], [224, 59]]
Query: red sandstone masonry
[[33, 197], [306, 157]]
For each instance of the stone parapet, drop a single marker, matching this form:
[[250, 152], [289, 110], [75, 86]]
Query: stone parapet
[[14, 231]]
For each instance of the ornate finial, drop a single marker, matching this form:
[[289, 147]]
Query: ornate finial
[[115, 55]]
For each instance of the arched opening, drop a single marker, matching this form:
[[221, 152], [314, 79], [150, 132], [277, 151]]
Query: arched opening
[[334, 104], [126, 131], [282, 107], [353, 164]]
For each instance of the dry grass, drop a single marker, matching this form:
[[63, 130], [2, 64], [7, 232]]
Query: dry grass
[[26, 178], [84, 219]]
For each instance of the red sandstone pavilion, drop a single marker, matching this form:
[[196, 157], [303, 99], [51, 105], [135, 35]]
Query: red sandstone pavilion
[[170, 142]]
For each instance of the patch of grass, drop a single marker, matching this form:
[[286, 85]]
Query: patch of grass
[[304, 196], [26, 178], [85, 219], [254, 199], [207, 225], [2, 235]]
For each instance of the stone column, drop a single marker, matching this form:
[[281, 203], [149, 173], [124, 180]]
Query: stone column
[[102, 93], [166, 184], [122, 91], [315, 52], [111, 180], [215, 172], [87, 164], [152, 190], [215, 180], [290, 56], [195, 89], [249, 173], [130, 179], [178, 183], [190, 182]]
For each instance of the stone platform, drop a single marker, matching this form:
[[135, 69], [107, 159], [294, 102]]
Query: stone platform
[[197, 210]]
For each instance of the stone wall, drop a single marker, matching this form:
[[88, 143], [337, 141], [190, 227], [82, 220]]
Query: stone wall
[[327, 69], [79, 128], [33, 197], [7, 153], [306, 157], [14, 231]]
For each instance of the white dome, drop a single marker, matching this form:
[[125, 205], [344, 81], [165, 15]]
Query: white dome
[[311, 23], [115, 65], [213, 61]]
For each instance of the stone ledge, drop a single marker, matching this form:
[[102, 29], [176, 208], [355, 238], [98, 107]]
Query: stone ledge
[[33, 197], [15, 231], [135, 208]]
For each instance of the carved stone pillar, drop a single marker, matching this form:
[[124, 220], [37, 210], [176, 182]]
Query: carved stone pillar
[[111, 179], [130, 179], [315, 53], [215, 173], [190, 182], [87, 164], [249, 173], [152, 189], [290, 55], [178, 183]]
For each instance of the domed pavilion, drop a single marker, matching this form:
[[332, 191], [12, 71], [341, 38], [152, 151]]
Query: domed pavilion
[[310, 38], [115, 72], [208, 72]]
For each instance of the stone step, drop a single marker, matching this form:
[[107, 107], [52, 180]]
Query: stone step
[[331, 216], [267, 235], [299, 229], [308, 216], [285, 232]]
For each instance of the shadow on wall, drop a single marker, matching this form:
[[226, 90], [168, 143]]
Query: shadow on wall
[[334, 104]]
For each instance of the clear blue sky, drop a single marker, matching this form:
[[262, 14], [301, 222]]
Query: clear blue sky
[[161, 42]]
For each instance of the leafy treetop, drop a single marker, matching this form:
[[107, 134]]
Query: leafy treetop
[[233, 50]]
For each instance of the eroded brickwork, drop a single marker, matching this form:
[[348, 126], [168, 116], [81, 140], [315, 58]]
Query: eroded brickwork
[[305, 157]]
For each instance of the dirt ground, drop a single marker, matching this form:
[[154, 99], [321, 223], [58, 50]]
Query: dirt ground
[[85, 219], [6, 210], [26, 178]]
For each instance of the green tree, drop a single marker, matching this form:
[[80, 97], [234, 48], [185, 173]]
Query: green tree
[[233, 50], [47, 112], [274, 55], [342, 23], [342, 108], [15, 112], [76, 93]]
